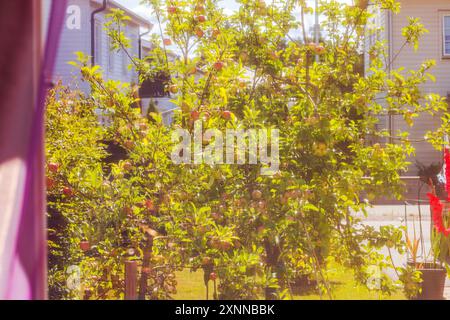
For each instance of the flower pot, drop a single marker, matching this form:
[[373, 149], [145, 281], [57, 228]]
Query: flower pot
[[433, 281]]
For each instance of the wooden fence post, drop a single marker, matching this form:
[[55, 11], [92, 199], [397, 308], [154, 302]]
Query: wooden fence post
[[145, 267], [131, 280]]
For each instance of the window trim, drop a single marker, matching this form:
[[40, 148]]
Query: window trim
[[445, 54]]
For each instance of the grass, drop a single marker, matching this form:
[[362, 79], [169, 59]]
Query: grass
[[344, 287], [191, 287]]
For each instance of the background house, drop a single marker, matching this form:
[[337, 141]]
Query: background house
[[435, 15], [79, 35]]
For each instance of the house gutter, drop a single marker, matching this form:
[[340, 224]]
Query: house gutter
[[94, 13], [140, 41]]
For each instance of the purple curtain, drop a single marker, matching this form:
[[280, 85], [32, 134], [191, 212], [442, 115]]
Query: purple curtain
[[22, 193]]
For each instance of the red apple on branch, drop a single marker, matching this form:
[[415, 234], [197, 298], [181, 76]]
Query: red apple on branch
[[226, 115], [213, 276], [68, 191], [53, 167], [193, 71], [50, 183], [173, 89], [225, 245], [218, 65], [262, 205], [85, 245], [256, 194], [319, 50], [199, 32], [146, 270], [195, 115], [149, 205], [172, 10], [201, 18]]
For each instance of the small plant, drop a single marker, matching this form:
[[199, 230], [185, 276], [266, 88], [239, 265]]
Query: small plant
[[413, 248]]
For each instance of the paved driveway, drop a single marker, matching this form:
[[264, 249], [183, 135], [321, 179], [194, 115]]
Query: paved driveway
[[395, 215]]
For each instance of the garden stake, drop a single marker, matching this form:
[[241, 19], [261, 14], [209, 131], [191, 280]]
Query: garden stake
[[130, 280]]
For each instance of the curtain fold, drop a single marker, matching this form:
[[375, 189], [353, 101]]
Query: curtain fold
[[22, 106]]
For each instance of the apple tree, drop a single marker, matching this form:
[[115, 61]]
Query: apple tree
[[257, 235]]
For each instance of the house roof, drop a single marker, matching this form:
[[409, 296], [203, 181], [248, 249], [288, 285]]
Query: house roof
[[143, 22]]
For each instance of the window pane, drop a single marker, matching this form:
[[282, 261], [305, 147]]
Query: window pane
[[111, 56], [447, 35], [98, 43], [124, 63], [124, 56]]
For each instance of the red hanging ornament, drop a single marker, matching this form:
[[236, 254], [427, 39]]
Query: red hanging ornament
[[447, 172], [436, 205], [437, 208]]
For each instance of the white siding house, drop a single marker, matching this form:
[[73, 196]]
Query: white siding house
[[435, 45], [76, 36]]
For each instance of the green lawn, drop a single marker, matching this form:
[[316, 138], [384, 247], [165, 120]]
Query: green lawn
[[190, 287]]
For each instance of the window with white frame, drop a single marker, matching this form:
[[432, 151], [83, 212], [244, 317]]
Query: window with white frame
[[98, 43], [446, 36]]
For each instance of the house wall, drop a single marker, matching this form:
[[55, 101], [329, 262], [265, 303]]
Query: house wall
[[115, 63], [73, 40], [431, 14], [377, 29], [78, 38]]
